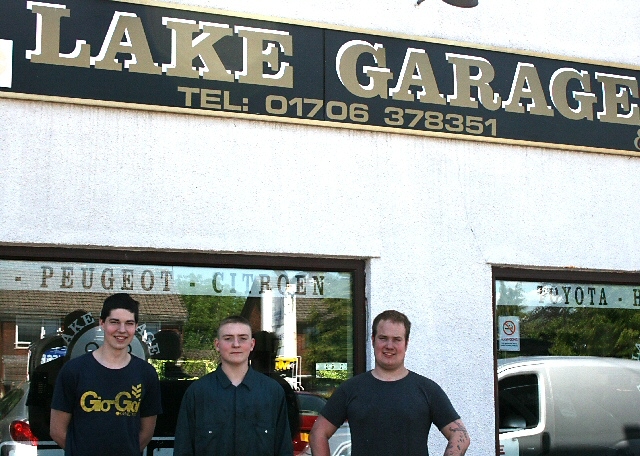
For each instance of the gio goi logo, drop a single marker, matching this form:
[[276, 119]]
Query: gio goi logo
[[125, 403]]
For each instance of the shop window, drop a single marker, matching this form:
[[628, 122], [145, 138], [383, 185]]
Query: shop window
[[307, 316], [567, 319], [568, 362], [29, 331]]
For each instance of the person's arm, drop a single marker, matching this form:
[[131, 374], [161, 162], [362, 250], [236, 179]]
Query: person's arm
[[321, 432], [184, 442], [59, 424], [147, 426], [457, 437]]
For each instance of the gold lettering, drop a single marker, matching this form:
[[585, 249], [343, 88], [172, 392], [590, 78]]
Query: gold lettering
[[210, 99], [123, 402], [346, 67], [129, 27], [526, 84], [255, 56], [48, 38], [83, 401], [615, 95], [185, 48], [188, 92], [463, 81], [227, 103], [584, 99], [417, 71], [91, 402]]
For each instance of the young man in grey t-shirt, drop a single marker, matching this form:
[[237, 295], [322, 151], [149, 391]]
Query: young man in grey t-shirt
[[390, 409]]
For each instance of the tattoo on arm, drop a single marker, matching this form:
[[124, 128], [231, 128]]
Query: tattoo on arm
[[459, 440]]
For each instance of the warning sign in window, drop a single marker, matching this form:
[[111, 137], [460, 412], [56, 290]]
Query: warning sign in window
[[509, 327]]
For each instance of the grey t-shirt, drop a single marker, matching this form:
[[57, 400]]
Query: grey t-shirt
[[389, 418]]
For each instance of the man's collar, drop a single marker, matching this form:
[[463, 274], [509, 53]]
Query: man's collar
[[249, 379]]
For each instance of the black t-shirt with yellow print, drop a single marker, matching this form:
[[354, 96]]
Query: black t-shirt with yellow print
[[106, 405]]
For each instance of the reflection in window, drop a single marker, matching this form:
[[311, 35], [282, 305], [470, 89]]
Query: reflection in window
[[590, 404], [302, 321], [568, 319], [602, 405], [9, 401], [29, 331]]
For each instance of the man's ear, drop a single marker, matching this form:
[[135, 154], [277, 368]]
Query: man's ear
[[253, 343], [215, 344]]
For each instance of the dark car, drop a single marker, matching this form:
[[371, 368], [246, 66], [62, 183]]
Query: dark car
[[569, 406]]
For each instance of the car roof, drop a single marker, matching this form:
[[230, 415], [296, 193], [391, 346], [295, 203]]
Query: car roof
[[585, 361]]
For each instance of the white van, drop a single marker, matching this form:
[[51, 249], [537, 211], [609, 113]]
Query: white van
[[569, 406]]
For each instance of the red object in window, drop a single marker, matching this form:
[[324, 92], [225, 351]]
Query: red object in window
[[21, 432], [300, 444]]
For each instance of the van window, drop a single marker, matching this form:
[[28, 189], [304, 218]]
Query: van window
[[519, 403]]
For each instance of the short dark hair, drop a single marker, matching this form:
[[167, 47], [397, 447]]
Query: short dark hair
[[394, 316], [233, 319], [120, 301]]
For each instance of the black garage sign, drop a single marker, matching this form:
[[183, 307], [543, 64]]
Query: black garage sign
[[166, 57]]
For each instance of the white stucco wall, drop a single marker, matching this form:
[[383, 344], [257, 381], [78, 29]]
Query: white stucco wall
[[432, 215]]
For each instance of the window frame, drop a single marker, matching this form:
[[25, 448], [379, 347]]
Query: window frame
[[207, 259], [544, 275], [25, 344], [40, 323]]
